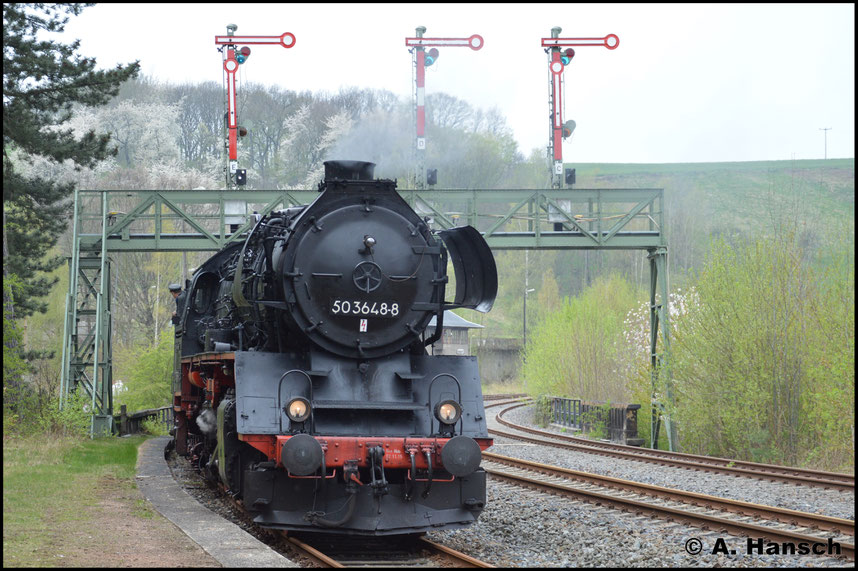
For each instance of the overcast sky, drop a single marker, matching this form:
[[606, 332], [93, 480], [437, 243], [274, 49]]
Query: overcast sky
[[688, 83]]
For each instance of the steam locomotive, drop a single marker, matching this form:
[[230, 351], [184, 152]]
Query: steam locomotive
[[303, 384]]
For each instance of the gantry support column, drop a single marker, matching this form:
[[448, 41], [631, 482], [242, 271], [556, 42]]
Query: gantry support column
[[87, 338], [659, 312]]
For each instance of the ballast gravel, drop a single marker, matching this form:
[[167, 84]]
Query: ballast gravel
[[811, 499], [523, 528], [526, 528]]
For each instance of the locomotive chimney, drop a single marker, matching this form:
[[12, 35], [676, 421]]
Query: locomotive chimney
[[349, 170]]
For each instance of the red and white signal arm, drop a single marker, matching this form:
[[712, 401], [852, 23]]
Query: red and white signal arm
[[286, 40], [474, 42], [611, 41]]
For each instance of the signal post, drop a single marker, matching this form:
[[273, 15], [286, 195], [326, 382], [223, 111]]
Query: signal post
[[232, 58], [423, 59], [557, 62]]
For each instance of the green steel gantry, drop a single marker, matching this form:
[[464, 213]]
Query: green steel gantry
[[107, 222]]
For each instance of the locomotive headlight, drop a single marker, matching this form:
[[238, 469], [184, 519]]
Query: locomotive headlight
[[298, 409], [448, 411]]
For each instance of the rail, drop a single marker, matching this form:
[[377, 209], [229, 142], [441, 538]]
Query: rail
[[700, 510], [773, 472]]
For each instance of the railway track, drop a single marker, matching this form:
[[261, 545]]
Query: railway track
[[700, 510], [421, 553], [498, 400], [414, 552], [354, 551], [800, 476]]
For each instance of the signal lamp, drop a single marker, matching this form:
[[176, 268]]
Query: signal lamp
[[431, 177], [570, 176], [448, 412], [430, 57], [241, 177], [568, 127], [567, 56], [298, 409], [243, 54]]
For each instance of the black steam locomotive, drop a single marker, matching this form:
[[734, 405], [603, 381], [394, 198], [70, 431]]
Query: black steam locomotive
[[303, 384]]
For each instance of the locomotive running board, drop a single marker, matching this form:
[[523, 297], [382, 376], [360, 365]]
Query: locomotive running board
[[474, 264]]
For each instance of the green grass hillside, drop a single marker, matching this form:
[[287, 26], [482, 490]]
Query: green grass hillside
[[737, 192], [814, 198]]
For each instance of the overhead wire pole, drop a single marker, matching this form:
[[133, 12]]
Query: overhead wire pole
[[420, 62], [826, 129]]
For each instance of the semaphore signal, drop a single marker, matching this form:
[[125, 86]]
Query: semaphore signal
[[422, 60], [233, 58], [558, 60]]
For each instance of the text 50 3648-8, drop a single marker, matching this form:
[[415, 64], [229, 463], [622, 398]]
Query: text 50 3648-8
[[357, 307]]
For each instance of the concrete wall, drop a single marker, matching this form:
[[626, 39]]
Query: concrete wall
[[499, 359]]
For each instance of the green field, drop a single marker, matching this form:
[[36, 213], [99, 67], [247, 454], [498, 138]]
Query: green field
[[737, 192], [50, 487], [748, 166]]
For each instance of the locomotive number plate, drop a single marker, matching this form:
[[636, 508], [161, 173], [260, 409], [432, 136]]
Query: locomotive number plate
[[356, 307]]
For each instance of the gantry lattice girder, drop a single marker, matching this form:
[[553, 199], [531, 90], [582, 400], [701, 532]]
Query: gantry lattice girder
[[176, 220], [583, 219], [579, 219], [111, 221], [89, 338]]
